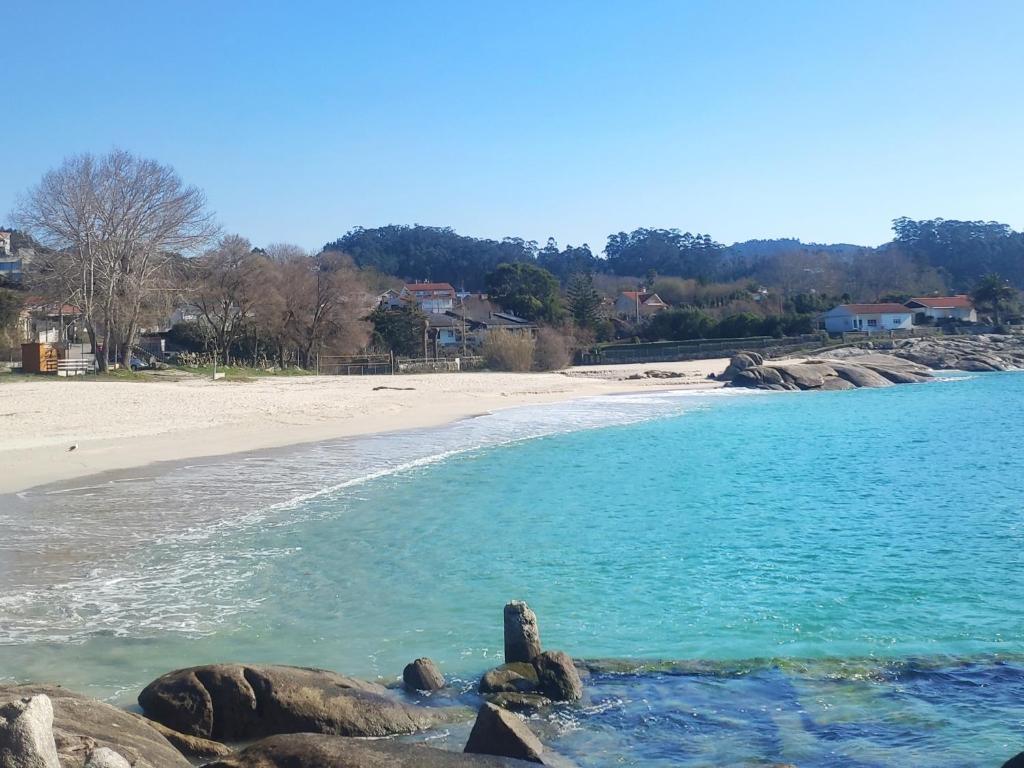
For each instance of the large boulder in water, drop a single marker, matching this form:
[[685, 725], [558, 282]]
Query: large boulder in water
[[311, 750], [422, 675], [557, 676], [497, 732], [82, 725], [26, 734], [228, 702], [522, 635], [518, 677]]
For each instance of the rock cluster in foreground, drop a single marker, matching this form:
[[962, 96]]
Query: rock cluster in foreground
[[295, 717]]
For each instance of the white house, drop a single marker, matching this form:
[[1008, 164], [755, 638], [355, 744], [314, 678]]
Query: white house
[[870, 318], [944, 307], [432, 298]]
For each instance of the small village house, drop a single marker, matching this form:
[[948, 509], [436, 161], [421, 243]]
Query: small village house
[[472, 319], [637, 305], [869, 318], [432, 298], [943, 308]]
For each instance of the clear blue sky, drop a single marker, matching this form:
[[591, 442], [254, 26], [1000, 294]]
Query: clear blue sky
[[821, 120]]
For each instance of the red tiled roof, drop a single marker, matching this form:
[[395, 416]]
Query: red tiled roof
[[875, 309], [944, 302]]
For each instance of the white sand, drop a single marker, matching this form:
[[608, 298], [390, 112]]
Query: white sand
[[126, 424]]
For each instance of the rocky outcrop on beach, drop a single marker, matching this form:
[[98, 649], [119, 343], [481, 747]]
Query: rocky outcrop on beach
[[983, 352], [879, 363], [497, 732], [309, 750], [228, 702], [81, 727], [750, 370]]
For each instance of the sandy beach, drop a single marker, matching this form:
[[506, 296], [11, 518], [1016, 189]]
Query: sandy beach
[[119, 425]]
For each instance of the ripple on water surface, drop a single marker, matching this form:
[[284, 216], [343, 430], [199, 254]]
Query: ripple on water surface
[[878, 525]]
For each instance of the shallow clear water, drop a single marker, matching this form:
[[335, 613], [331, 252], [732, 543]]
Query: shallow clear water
[[875, 536]]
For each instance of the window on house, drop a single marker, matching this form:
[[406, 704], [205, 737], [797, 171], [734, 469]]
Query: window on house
[[872, 323]]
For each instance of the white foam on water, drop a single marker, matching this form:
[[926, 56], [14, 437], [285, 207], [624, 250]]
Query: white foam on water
[[173, 552]]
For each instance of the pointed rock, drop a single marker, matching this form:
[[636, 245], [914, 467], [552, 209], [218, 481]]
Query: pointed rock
[[497, 732]]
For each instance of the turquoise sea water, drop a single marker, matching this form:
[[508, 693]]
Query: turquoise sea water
[[839, 574]]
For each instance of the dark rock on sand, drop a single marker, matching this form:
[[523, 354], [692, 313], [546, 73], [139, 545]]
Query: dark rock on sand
[[227, 702], [311, 750], [517, 677], [522, 635], [26, 733], [557, 676], [497, 732], [422, 675], [82, 725]]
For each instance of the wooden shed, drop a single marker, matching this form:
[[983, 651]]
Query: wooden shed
[[38, 357]]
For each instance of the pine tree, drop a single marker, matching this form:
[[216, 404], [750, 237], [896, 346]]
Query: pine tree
[[584, 300]]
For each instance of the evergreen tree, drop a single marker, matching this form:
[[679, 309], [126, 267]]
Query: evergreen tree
[[584, 300]]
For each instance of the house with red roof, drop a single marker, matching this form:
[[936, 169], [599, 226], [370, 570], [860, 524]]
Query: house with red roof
[[869, 318], [432, 298], [959, 307]]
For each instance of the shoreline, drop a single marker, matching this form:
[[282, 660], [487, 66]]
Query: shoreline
[[118, 426]]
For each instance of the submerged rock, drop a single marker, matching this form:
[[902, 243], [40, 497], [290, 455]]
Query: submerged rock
[[81, 725], [422, 675], [522, 635], [517, 677], [519, 702], [26, 734], [557, 676], [227, 702], [312, 750], [497, 732]]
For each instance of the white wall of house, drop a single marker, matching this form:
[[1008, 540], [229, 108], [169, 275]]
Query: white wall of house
[[841, 320], [958, 313]]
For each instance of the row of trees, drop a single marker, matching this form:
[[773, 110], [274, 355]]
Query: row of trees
[[278, 303]]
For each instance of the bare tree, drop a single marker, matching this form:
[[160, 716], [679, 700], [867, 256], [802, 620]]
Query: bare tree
[[226, 288], [114, 222]]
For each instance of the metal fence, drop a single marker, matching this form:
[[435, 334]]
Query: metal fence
[[697, 349], [377, 365]]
